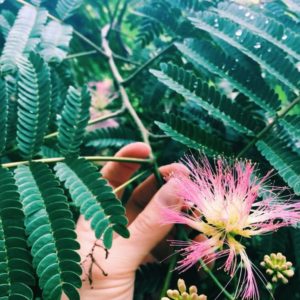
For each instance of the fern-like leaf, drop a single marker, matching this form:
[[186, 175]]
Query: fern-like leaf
[[193, 89], [292, 126], [267, 28], [73, 121], [94, 197], [293, 5], [16, 270], [272, 59], [5, 25], [19, 37], [282, 158], [192, 136], [33, 104], [55, 41], [66, 8], [51, 229], [37, 29], [3, 114], [204, 54], [109, 137]]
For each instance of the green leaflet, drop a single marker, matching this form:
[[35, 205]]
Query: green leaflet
[[292, 126], [66, 8], [55, 41], [94, 197], [192, 136], [109, 137], [16, 270], [3, 114], [204, 54], [280, 155], [51, 231], [33, 104], [267, 28], [193, 89], [23, 36], [74, 119], [255, 47]]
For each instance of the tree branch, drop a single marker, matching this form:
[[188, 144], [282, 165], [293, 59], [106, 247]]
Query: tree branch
[[124, 96]]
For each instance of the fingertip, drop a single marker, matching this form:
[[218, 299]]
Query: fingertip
[[177, 170], [136, 149]]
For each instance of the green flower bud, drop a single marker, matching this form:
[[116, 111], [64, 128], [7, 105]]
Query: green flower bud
[[182, 294], [278, 267]]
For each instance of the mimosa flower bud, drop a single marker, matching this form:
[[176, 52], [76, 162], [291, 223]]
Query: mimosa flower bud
[[182, 294], [193, 289], [181, 285], [277, 266]]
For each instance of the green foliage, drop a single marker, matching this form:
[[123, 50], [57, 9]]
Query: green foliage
[[22, 37], [254, 46], [50, 230], [55, 41], [3, 114], [192, 136], [282, 157], [65, 8], [16, 271], [193, 89], [94, 197], [33, 104], [109, 137], [204, 54], [75, 117]]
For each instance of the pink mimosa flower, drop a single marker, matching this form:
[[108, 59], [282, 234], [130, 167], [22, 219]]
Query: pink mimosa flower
[[228, 202]]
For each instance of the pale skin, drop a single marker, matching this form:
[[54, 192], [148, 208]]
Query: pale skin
[[147, 234]]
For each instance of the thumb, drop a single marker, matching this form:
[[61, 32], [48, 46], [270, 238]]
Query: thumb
[[147, 230]]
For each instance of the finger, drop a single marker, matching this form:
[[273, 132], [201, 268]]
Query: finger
[[118, 172], [147, 189], [147, 230]]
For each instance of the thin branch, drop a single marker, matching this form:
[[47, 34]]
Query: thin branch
[[131, 78], [125, 184], [124, 96], [90, 158], [80, 54], [93, 121], [269, 126]]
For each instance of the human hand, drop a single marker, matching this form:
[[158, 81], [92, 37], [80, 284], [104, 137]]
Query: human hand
[[112, 276]]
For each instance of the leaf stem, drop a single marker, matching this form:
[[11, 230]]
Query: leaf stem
[[168, 277], [125, 184], [90, 158], [93, 121], [79, 54], [182, 235], [269, 126], [131, 78], [215, 279]]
